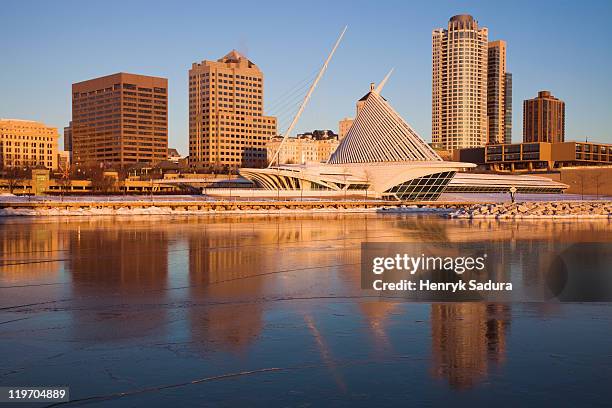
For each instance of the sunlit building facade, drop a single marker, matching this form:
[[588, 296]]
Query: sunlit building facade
[[343, 127], [499, 95], [317, 146], [459, 84], [120, 120], [544, 119], [27, 143], [226, 122]]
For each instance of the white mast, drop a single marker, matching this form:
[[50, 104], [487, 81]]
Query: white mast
[[307, 97], [384, 81]]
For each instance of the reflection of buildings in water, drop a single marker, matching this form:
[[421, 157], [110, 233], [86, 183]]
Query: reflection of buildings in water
[[376, 314], [120, 272], [465, 338], [230, 251], [428, 228], [521, 252], [511, 231], [421, 229], [325, 353], [120, 258], [27, 251], [221, 261], [236, 264]]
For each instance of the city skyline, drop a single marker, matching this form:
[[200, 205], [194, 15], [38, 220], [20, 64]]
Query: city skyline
[[41, 91]]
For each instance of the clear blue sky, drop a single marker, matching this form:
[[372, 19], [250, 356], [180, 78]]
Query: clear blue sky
[[45, 46]]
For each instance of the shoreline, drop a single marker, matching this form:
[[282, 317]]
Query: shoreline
[[536, 210], [562, 210], [159, 211]]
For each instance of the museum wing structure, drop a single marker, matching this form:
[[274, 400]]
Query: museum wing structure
[[382, 154]]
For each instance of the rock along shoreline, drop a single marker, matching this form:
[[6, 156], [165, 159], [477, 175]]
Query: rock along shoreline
[[537, 209]]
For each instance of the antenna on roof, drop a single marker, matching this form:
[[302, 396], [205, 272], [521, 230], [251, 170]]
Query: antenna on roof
[[384, 81], [307, 97]]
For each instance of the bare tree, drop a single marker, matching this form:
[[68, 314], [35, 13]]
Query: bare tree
[[16, 176], [65, 180], [102, 183]]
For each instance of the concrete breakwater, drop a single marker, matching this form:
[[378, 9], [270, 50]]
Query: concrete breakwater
[[538, 209]]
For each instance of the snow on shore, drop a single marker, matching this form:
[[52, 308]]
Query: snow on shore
[[527, 210], [153, 210]]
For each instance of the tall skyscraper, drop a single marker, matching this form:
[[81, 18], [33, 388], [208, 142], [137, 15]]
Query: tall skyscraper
[[459, 92], [119, 120], [544, 119], [26, 143], [499, 94], [226, 121]]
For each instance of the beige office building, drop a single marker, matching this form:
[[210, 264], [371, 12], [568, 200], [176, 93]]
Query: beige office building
[[63, 160], [499, 95], [317, 146], [459, 91], [226, 122], [343, 127], [26, 143]]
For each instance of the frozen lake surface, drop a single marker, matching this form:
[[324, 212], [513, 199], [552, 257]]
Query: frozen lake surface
[[268, 311]]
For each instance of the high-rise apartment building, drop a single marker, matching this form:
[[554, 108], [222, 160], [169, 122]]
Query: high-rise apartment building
[[459, 91], [119, 120], [499, 95], [26, 143], [544, 119], [226, 122]]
